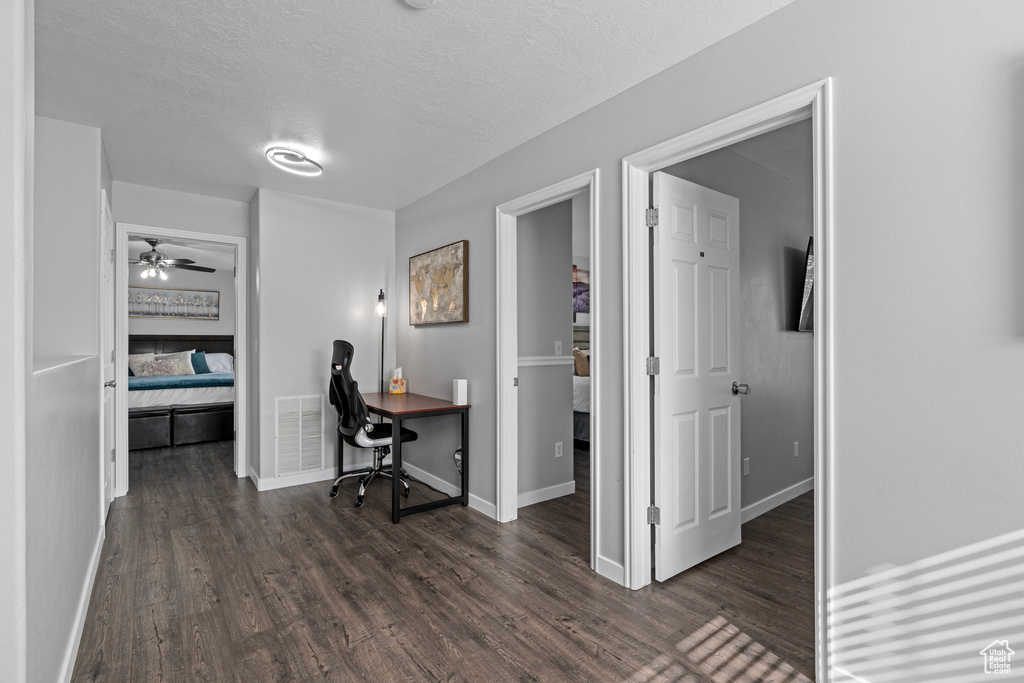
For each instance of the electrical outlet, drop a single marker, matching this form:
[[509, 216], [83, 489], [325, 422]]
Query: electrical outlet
[[746, 466], [796, 449], [558, 449], [558, 348]]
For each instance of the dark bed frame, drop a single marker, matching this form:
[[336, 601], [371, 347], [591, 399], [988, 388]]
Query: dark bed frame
[[175, 425]]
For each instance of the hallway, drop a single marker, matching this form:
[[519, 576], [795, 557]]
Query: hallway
[[203, 578]]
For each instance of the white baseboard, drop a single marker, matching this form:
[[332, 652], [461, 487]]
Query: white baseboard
[[431, 480], [775, 500], [71, 654], [271, 483], [483, 507], [435, 482], [613, 571], [546, 493]]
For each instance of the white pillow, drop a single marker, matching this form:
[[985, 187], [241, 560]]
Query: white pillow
[[183, 361], [220, 362], [158, 367], [137, 360]]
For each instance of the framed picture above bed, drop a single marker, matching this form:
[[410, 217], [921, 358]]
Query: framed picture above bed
[[580, 295], [189, 304]]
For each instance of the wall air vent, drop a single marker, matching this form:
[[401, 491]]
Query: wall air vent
[[298, 434]]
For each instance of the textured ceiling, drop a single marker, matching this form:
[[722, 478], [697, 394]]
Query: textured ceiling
[[209, 255], [394, 102]]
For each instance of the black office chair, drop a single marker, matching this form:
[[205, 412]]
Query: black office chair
[[355, 427]]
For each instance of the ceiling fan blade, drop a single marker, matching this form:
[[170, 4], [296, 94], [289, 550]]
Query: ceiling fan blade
[[135, 262], [178, 261], [201, 269]]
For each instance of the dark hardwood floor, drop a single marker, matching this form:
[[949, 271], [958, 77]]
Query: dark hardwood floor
[[203, 578]]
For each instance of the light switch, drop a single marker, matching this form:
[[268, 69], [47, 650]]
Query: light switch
[[558, 347]]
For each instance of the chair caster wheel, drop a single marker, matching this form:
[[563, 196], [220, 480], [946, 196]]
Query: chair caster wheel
[[334, 492], [405, 493], [359, 502]]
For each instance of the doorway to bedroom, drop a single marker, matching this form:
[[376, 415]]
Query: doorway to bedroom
[[548, 450], [553, 338], [180, 355]]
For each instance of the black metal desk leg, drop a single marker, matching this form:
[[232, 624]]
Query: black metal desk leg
[[396, 467], [465, 458]]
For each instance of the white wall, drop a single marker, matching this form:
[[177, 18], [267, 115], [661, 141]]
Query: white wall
[[320, 266], [928, 330], [160, 208], [106, 177], [544, 269], [581, 230], [253, 263], [777, 362], [63, 420], [66, 244], [63, 508], [17, 107], [222, 281]]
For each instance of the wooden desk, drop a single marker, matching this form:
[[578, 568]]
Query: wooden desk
[[401, 407]]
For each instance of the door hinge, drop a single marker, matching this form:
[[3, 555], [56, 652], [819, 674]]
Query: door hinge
[[112, 357], [652, 218], [654, 515], [112, 257], [235, 435], [515, 381], [653, 365]]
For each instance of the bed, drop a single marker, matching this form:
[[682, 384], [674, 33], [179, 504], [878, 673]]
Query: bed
[[172, 410], [148, 392], [581, 408]]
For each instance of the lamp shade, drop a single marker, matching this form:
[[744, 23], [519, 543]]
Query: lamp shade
[[381, 309]]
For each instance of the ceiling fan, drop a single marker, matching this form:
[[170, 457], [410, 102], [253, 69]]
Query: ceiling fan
[[155, 263]]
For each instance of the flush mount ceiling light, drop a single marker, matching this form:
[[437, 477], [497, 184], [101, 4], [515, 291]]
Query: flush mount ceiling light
[[419, 4], [293, 161]]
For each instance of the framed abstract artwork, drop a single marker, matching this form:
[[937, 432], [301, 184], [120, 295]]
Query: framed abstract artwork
[[580, 295], [188, 304], [439, 285], [806, 322]]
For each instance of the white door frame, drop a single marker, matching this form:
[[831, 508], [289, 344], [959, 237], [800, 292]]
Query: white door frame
[[241, 342], [107, 263], [813, 101], [507, 504]]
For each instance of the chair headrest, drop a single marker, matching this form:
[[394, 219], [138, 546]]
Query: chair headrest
[[344, 391]]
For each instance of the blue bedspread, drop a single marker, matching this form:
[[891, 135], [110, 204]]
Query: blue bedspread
[[212, 379]]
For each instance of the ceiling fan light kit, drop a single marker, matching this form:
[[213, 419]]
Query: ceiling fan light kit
[[293, 161], [155, 263]]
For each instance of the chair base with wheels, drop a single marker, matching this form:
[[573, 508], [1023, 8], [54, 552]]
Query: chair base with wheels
[[367, 474]]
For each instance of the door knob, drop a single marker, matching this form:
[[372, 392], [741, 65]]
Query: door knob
[[738, 388], [111, 383]]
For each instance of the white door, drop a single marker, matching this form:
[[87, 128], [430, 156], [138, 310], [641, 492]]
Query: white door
[[109, 375], [696, 283]]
